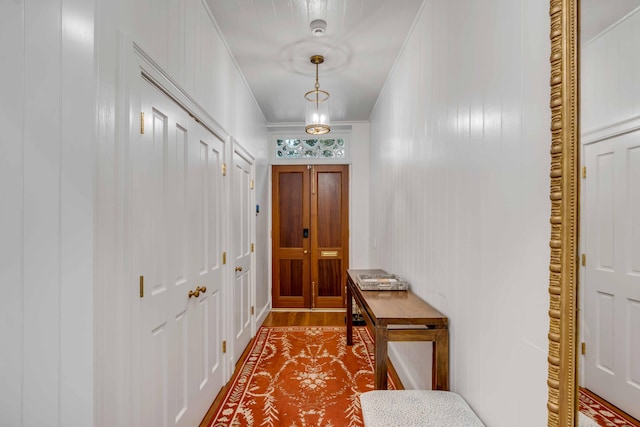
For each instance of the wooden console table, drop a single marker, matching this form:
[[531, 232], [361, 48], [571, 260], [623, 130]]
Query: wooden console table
[[399, 316]]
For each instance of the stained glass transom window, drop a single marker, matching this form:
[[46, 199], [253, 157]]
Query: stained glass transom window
[[317, 148]]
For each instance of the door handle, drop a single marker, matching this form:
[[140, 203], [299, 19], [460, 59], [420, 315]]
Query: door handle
[[238, 268], [305, 251], [197, 292]]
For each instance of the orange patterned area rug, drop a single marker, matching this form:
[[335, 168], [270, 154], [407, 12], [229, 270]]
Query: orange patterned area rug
[[602, 412], [301, 376]]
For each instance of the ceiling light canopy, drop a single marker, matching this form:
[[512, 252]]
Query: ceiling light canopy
[[318, 27], [317, 114]]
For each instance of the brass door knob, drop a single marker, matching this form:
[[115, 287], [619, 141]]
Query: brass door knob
[[305, 251], [238, 268], [196, 293]]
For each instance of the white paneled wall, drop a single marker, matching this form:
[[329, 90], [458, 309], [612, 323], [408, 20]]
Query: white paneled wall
[[11, 210], [47, 100], [263, 227], [62, 219], [610, 67], [460, 195], [359, 251]]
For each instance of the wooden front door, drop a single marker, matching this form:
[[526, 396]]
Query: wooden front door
[[310, 235]]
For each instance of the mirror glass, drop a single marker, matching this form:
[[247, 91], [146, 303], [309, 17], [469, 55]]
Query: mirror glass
[[609, 285]]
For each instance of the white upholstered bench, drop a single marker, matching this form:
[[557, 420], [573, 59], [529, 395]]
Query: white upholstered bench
[[416, 408]]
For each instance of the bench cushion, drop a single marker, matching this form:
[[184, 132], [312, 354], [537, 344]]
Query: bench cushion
[[416, 408]]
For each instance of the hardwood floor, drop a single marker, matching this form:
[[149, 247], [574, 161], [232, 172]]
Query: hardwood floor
[[286, 318], [305, 318]]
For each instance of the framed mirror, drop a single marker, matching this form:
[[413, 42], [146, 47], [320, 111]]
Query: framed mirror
[[564, 194], [595, 201]]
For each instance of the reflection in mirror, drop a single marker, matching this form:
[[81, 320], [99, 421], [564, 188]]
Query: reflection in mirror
[[609, 293]]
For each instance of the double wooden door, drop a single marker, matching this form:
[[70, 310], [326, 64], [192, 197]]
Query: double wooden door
[[310, 235]]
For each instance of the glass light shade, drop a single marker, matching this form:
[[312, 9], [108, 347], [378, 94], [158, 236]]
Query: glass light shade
[[317, 114]]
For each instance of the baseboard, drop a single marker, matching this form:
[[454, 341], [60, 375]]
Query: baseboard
[[262, 314]]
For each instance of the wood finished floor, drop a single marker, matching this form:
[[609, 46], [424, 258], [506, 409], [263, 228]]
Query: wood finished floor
[[279, 318]]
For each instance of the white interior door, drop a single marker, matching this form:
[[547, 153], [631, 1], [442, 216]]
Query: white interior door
[[242, 250], [176, 197], [206, 194], [159, 173], [611, 215]]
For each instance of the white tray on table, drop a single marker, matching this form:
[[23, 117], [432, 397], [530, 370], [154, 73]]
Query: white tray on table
[[381, 282]]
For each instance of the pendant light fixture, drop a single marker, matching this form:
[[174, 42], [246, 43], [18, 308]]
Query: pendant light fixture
[[317, 115]]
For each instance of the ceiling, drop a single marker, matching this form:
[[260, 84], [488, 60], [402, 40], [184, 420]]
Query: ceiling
[[598, 15], [272, 42]]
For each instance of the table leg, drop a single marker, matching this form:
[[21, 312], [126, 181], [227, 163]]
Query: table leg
[[441, 361], [381, 358], [349, 316]]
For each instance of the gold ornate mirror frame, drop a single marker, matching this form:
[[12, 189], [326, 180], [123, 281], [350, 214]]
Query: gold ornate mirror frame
[[564, 193]]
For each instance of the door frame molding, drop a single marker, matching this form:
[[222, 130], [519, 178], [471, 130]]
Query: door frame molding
[[611, 130]]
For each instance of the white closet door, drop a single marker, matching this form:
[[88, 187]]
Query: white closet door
[[611, 215], [176, 195], [206, 157], [243, 218]]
